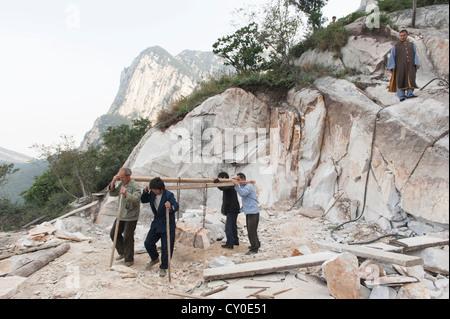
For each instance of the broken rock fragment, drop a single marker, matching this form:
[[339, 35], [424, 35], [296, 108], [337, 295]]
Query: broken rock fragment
[[342, 276]]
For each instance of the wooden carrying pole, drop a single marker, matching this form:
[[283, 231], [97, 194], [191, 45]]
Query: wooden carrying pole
[[180, 180], [168, 241], [116, 231], [197, 186]]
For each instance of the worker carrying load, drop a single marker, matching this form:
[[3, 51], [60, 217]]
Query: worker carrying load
[[160, 199]]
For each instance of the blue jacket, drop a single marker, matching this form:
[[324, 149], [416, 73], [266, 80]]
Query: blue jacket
[[159, 221]]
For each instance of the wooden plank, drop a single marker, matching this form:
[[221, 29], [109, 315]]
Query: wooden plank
[[256, 292], [386, 247], [310, 212], [40, 261], [266, 266], [281, 292], [30, 250], [372, 253], [212, 292], [78, 210], [264, 296], [391, 280], [63, 236], [33, 222], [420, 242], [42, 230]]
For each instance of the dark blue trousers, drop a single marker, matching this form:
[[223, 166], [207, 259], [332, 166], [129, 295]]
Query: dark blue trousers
[[150, 246]]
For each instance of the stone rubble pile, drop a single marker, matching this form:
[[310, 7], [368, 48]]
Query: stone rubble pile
[[347, 279], [343, 277]]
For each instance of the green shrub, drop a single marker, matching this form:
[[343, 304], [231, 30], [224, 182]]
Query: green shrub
[[352, 17], [180, 108], [9, 215], [14, 215], [56, 204], [274, 78], [332, 38]]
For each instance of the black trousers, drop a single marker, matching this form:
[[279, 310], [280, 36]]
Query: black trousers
[[252, 230], [150, 246], [231, 229], [125, 238]]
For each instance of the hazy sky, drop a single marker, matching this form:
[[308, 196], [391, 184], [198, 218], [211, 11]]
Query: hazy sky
[[60, 61]]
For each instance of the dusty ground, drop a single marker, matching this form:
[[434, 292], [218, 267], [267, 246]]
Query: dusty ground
[[83, 272]]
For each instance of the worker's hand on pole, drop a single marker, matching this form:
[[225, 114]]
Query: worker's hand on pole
[[168, 205], [123, 191]]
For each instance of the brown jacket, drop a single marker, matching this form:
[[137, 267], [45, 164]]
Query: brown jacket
[[404, 75]]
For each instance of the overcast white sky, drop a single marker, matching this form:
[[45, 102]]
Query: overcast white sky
[[61, 60]]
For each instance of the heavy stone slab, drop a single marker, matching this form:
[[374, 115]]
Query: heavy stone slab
[[266, 266], [377, 254]]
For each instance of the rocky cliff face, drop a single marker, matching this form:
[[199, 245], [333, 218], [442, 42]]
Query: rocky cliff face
[[332, 140], [153, 81]]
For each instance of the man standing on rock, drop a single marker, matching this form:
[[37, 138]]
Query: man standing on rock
[[250, 208], [159, 198], [129, 214], [403, 64]]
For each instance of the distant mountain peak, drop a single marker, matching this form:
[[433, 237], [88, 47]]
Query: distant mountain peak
[[153, 81], [156, 49], [9, 156]]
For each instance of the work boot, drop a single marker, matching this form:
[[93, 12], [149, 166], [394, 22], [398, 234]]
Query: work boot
[[128, 263], [227, 246], [152, 263], [120, 257], [162, 272]]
